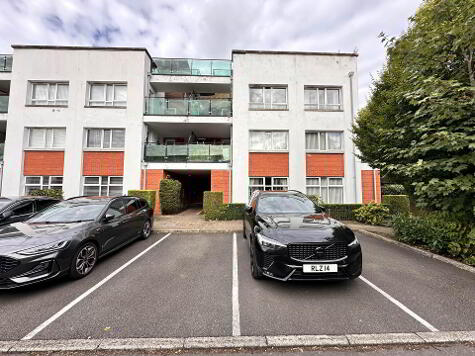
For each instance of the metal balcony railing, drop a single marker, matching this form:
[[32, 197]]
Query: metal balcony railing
[[6, 61], [188, 107], [187, 153], [188, 66], [4, 104]]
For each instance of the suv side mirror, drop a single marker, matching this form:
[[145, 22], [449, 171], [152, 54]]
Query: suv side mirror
[[248, 209], [107, 218]]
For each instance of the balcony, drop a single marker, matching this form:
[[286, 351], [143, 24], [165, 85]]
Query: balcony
[[188, 107], [195, 67], [6, 61], [4, 104], [187, 153]]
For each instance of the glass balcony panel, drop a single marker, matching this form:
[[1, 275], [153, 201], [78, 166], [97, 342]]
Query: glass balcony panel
[[181, 66], [202, 67], [221, 68], [200, 107], [6, 62], [199, 153], [188, 66], [4, 104], [185, 107], [176, 107], [177, 150], [187, 153], [221, 107]]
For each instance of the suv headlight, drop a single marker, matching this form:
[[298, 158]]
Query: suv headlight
[[51, 247], [268, 244], [354, 242]]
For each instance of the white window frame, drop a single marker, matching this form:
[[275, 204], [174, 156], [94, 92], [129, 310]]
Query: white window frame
[[271, 186], [324, 106], [320, 187], [102, 148], [100, 185], [47, 131], [272, 105], [43, 184], [106, 103], [49, 102], [272, 149], [327, 149]]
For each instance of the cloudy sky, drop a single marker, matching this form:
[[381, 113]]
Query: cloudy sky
[[211, 28]]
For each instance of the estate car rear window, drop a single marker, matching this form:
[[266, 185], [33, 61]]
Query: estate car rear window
[[286, 204]]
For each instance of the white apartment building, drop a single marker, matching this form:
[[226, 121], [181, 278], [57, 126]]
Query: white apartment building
[[104, 120]]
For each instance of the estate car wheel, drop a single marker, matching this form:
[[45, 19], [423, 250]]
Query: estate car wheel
[[244, 231], [84, 261], [256, 274], [146, 230]]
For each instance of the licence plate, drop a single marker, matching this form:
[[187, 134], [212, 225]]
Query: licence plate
[[320, 268]]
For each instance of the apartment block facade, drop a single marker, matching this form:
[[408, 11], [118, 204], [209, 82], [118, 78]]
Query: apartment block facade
[[102, 121]]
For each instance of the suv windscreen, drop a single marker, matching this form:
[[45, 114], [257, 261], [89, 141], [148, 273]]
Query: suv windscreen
[[67, 212], [286, 204]]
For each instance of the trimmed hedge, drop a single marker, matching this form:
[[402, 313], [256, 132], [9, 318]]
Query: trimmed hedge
[[393, 189], [149, 195], [372, 213], [231, 211], [397, 204], [52, 193], [212, 202], [342, 211], [170, 196]]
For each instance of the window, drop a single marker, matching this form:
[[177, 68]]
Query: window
[[319, 98], [131, 205], [267, 183], [268, 97], [23, 209], [268, 140], [329, 189], [44, 203], [107, 94], [55, 94], [46, 137], [105, 138], [324, 141], [116, 209], [105, 185], [42, 182]]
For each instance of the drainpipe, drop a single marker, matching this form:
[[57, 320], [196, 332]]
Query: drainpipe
[[350, 75], [374, 186]]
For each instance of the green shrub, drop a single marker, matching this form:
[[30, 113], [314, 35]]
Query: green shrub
[[397, 204], [393, 189], [231, 211], [438, 231], [341, 211], [170, 194], [372, 213], [212, 202], [52, 193], [149, 195]]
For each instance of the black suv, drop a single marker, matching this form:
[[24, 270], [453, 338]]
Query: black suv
[[21, 208], [291, 238]]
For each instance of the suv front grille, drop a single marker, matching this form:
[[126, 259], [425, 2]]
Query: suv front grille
[[7, 264], [318, 251]]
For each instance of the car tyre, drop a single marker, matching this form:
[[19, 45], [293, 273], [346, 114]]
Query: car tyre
[[146, 230], [84, 260], [255, 272], [243, 232]]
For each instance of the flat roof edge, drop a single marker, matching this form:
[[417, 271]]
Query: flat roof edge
[[78, 48], [305, 53]]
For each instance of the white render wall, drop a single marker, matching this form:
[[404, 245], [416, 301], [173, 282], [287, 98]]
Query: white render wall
[[295, 71], [78, 67]]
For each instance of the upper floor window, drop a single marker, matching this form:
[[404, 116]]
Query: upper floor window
[[55, 94], [105, 138], [323, 98], [268, 140], [324, 141], [268, 97], [107, 94], [46, 137]]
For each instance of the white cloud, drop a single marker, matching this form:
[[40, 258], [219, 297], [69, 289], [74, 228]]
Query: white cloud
[[211, 28]]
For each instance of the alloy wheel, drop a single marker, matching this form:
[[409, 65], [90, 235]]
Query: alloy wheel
[[147, 229], [86, 259]]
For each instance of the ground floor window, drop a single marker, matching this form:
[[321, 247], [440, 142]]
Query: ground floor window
[[42, 182], [267, 183], [103, 185], [328, 188]]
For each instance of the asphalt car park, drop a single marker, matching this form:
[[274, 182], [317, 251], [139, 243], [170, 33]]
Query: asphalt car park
[[182, 285]]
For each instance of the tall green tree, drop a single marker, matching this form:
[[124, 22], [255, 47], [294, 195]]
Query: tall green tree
[[419, 124]]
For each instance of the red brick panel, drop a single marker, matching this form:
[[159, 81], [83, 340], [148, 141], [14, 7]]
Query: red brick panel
[[43, 163], [103, 164], [151, 180], [368, 181], [325, 165], [220, 183], [268, 164]]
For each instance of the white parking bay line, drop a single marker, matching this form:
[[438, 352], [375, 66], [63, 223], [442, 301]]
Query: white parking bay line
[[43, 325], [236, 316], [400, 305]]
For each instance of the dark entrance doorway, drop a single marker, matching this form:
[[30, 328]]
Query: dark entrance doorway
[[194, 183]]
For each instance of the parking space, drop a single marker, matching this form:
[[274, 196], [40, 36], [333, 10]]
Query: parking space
[[184, 286]]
